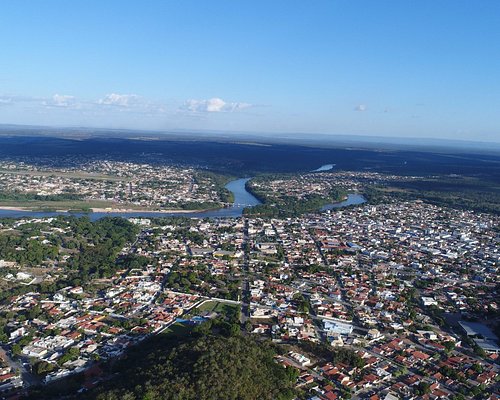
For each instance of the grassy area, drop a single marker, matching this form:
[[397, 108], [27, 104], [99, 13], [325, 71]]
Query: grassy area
[[178, 329], [75, 175], [208, 306], [218, 307], [224, 307], [77, 205], [60, 205]]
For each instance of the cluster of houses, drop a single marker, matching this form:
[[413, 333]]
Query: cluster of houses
[[395, 284], [119, 183], [396, 369], [301, 186], [9, 378], [72, 330], [376, 278]]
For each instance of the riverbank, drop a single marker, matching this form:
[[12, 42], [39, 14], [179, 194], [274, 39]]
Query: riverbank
[[165, 210], [14, 208], [106, 210], [241, 198], [352, 199]]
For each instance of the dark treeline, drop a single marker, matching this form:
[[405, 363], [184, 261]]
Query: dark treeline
[[245, 159], [17, 196], [461, 193], [289, 206], [210, 367]]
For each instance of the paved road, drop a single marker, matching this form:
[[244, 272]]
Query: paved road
[[245, 285], [28, 378]]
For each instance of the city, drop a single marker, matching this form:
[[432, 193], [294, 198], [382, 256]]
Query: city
[[109, 185], [404, 288], [250, 200]]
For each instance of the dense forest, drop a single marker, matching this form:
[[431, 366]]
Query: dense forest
[[255, 156], [209, 367], [97, 259], [84, 249]]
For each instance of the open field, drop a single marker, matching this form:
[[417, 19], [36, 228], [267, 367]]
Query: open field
[[74, 175], [38, 205], [87, 206], [216, 306], [177, 329]]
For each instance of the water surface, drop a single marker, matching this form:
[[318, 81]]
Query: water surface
[[242, 199], [352, 200], [326, 167]]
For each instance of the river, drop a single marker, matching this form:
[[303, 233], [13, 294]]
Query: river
[[352, 200], [242, 199], [326, 167]]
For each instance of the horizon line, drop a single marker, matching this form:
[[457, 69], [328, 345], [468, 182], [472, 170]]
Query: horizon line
[[263, 134]]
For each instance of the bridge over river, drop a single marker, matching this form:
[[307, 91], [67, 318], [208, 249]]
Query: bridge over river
[[242, 199]]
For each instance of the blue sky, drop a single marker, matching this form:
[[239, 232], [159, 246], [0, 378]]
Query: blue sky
[[389, 68]]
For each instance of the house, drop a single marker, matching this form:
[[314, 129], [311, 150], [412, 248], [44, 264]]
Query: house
[[301, 359], [34, 351], [429, 301], [333, 327]]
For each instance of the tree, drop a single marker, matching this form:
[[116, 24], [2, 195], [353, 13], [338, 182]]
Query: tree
[[234, 330], [16, 349], [479, 351], [423, 388], [43, 367], [449, 346], [248, 326]]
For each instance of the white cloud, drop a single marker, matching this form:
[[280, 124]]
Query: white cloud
[[360, 107], [214, 104], [14, 99], [120, 100], [108, 105], [61, 100], [131, 103], [4, 100]]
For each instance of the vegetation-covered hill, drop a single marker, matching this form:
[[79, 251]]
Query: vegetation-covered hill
[[209, 367]]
